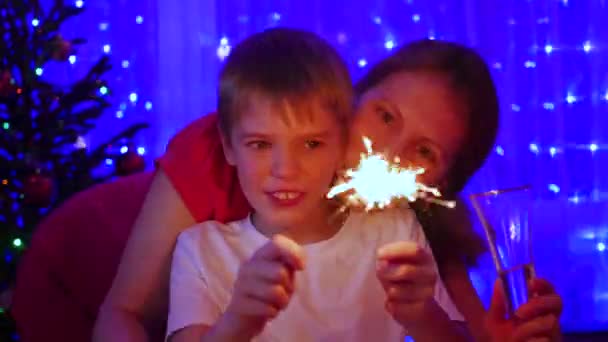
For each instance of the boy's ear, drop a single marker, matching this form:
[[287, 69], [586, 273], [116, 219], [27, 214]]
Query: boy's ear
[[227, 147]]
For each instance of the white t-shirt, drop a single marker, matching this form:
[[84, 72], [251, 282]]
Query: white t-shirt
[[337, 298]]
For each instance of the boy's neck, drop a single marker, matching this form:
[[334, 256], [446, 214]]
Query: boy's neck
[[314, 229]]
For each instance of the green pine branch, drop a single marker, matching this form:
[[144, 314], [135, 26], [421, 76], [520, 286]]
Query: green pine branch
[[41, 121]]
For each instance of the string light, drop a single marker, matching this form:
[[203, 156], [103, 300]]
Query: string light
[[500, 151], [139, 19], [80, 143], [125, 64], [362, 62], [549, 106], [574, 199], [39, 71], [79, 3], [554, 188], [601, 247], [224, 49], [148, 105], [17, 242], [543, 20], [553, 151], [124, 149], [389, 44], [107, 48], [587, 46], [548, 49], [416, 18], [593, 147], [72, 59], [141, 151], [35, 22], [534, 148], [133, 97]]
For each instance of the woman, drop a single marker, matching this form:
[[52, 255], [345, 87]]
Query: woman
[[431, 103]]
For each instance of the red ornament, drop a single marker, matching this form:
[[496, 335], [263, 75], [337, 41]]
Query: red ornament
[[130, 163], [38, 190], [7, 88], [62, 50]]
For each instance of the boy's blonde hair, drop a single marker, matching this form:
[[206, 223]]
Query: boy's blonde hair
[[287, 66]]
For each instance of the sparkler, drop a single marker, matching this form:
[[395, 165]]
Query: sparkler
[[377, 183]]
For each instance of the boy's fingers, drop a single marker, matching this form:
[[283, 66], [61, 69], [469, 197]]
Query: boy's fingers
[[274, 272], [406, 292], [290, 251], [271, 294], [283, 249], [403, 250], [256, 307], [406, 272]]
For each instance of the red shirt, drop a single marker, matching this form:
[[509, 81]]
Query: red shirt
[[197, 168]]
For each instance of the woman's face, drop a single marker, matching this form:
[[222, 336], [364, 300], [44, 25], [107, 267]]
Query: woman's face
[[415, 116]]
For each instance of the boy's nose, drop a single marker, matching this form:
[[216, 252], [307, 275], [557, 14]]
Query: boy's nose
[[285, 164]]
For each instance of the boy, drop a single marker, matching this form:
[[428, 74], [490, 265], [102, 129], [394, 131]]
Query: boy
[[289, 272]]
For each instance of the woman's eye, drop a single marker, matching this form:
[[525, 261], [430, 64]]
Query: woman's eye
[[312, 144], [386, 116], [425, 152]]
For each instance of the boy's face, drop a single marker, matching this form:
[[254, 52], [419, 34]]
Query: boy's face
[[286, 158]]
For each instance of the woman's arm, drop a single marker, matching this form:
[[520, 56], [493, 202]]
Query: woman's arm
[[136, 305], [460, 288]]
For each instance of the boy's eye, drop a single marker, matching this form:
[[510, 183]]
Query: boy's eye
[[258, 145], [312, 144]]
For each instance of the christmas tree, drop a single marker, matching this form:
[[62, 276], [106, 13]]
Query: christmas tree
[[43, 154]]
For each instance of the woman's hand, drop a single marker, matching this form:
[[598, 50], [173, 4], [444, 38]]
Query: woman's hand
[[536, 320]]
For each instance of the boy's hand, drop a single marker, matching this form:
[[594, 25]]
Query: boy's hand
[[536, 320], [408, 276], [264, 286]]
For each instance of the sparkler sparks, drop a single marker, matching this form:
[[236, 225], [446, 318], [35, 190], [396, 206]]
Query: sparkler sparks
[[377, 183]]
